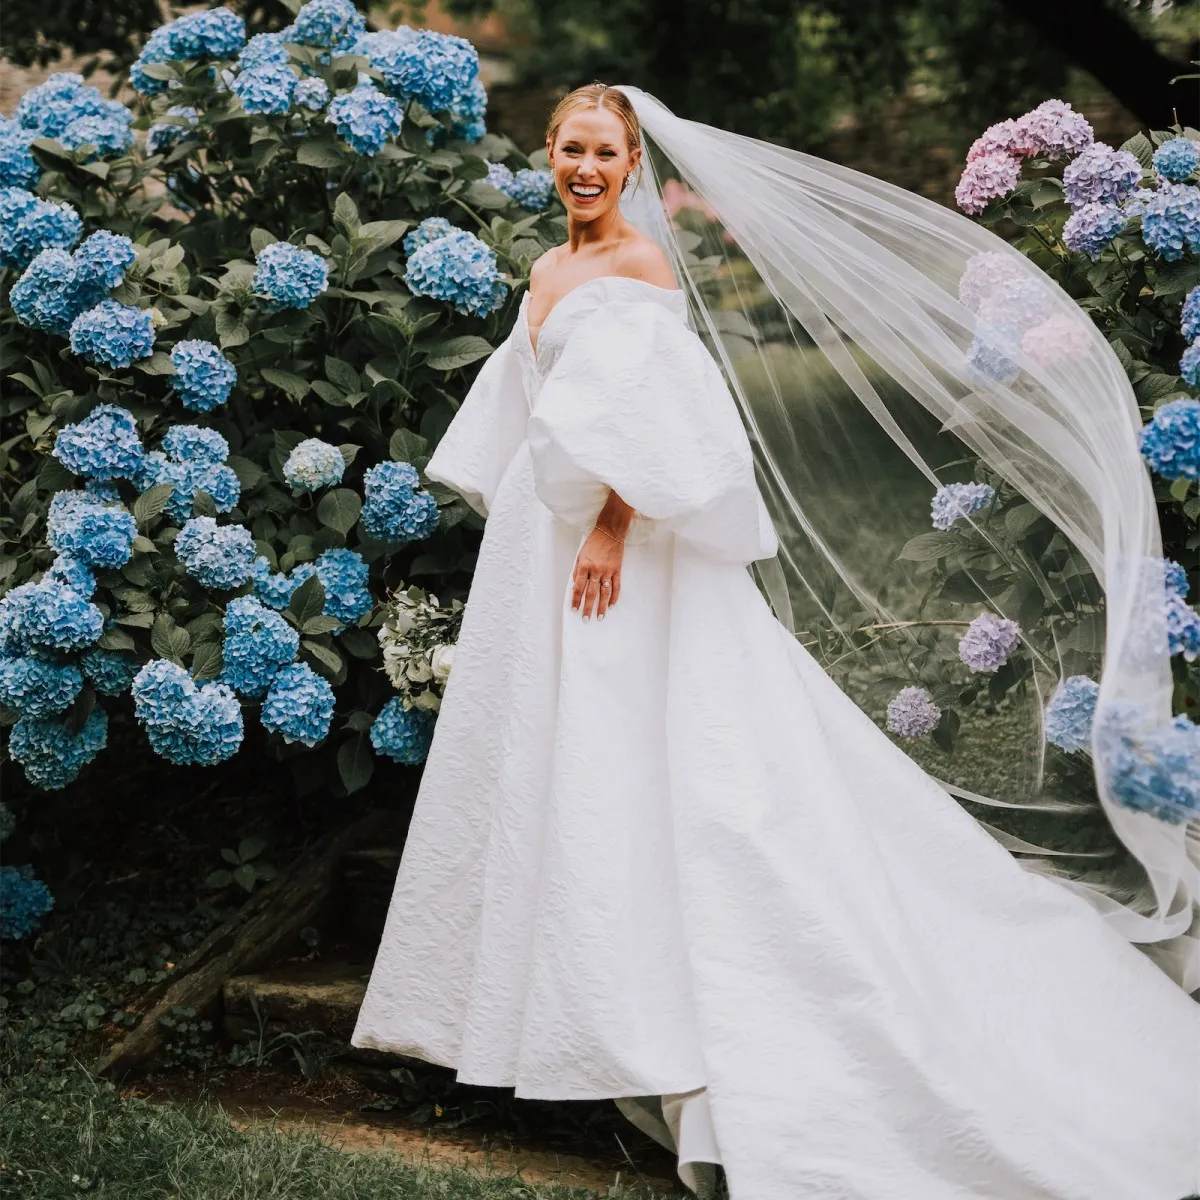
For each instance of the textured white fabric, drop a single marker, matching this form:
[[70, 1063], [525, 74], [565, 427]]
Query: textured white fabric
[[626, 872]]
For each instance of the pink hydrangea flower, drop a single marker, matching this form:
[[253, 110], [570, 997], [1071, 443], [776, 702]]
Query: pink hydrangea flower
[[1000, 138], [986, 177], [1053, 129], [1061, 337]]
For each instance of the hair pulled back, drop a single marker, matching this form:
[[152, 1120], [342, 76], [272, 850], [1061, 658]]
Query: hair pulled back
[[594, 96]]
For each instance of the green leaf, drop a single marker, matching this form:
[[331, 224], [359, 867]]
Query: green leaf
[[1141, 148], [482, 195], [157, 364], [116, 639], [360, 643], [1157, 386], [356, 763], [360, 721], [207, 661], [150, 503], [168, 640], [246, 876], [384, 233], [260, 239], [345, 214], [161, 71], [251, 847], [326, 660], [137, 620], [249, 474], [339, 509], [405, 445], [947, 729], [294, 386], [1180, 488], [926, 547], [308, 600], [324, 154], [456, 352], [341, 373], [315, 626]]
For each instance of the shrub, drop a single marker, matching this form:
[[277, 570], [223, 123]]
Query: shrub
[[218, 341]]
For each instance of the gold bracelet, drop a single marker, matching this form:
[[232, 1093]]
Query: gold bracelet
[[619, 540]]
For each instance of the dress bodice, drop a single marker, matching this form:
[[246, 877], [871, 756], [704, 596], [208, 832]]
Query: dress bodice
[[564, 318]]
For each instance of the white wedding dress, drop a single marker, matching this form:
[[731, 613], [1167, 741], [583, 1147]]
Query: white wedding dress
[[664, 854]]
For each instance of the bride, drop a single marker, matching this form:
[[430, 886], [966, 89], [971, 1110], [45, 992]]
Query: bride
[[658, 855]]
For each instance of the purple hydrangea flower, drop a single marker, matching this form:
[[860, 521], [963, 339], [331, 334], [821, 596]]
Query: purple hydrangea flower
[[1092, 227], [985, 178], [988, 642], [955, 500], [1053, 129], [1100, 174], [1058, 339], [911, 713], [992, 355]]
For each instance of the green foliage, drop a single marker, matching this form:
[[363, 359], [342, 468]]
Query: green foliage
[[243, 868], [368, 366]]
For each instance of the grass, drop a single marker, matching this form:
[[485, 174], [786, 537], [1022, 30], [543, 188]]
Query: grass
[[68, 1134]]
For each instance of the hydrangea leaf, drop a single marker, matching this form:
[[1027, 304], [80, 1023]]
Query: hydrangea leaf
[[308, 600], [457, 352], [405, 445], [168, 640], [1141, 148], [157, 364], [294, 386], [339, 510], [323, 154], [152, 502], [356, 763], [324, 659]]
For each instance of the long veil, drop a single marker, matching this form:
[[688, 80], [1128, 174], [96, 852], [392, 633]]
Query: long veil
[[880, 346]]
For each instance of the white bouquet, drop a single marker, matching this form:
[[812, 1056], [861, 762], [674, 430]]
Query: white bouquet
[[417, 638]]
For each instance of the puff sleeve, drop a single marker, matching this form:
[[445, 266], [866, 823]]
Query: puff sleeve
[[484, 434], [637, 404]]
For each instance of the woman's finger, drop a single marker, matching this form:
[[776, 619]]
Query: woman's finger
[[579, 582], [603, 598], [616, 588], [589, 596]]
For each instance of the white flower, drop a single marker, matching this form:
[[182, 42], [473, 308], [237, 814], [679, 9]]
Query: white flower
[[441, 661]]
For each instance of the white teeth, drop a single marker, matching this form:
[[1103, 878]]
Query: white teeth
[[582, 190]]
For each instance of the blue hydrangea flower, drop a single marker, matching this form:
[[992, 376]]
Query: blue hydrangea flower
[[329, 24], [195, 443], [1092, 227], [264, 49], [258, 642], [104, 257], [266, 89], [500, 177], [218, 557], [403, 734], [24, 901], [29, 225], [1070, 713], [288, 276], [467, 113], [186, 724], [1170, 443], [428, 231], [1100, 173], [1157, 774], [93, 532], [1183, 628], [104, 445], [1189, 318], [954, 500], [64, 107], [992, 355], [110, 672], [1171, 220], [204, 377], [217, 480], [113, 335], [165, 135], [107, 133], [157, 50], [1175, 160], [314, 464], [48, 295], [343, 575], [38, 687], [276, 590], [1189, 364], [911, 713], [1175, 578], [299, 705], [210, 33], [458, 269], [988, 642], [312, 94], [532, 189], [48, 616], [18, 167], [51, 753], [432, 68], [365, 118], [394, 510], [73, 573]]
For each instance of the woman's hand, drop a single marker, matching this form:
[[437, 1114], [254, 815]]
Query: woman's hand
[[597, 574]]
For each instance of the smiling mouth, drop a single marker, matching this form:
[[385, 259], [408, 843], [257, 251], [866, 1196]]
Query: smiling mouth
[[587, 191]]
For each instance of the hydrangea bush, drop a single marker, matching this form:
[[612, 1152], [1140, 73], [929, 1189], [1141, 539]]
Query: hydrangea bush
[[1119, 229], [240, 311]]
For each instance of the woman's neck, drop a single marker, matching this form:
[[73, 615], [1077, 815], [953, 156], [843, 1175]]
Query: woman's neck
[[583, 237]]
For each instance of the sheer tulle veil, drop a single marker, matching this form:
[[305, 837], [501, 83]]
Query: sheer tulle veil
[[880, 345]]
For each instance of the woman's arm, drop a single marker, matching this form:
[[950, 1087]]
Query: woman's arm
[[599, 559]]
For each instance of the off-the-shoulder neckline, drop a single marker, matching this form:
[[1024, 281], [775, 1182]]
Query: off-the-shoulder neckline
[[578, 288]]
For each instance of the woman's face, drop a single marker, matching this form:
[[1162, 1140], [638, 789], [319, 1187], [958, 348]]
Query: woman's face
[[590, 160]]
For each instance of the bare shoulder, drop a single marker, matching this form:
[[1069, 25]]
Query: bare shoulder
[[644, 259], [543, 266]]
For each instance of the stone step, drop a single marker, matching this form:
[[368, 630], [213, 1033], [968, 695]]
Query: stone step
[[296, 996]]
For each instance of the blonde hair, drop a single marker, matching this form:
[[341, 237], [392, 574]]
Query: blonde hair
[[594, 96]]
